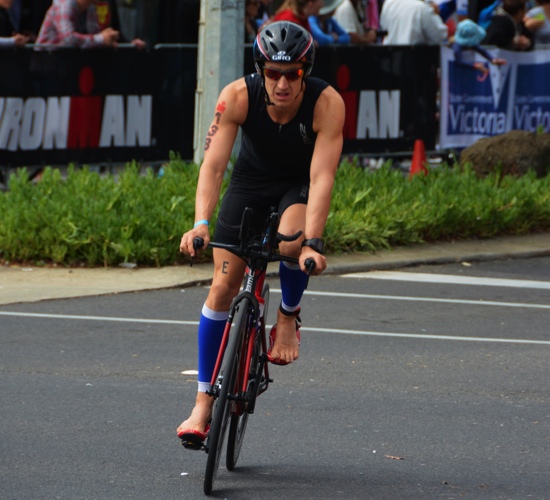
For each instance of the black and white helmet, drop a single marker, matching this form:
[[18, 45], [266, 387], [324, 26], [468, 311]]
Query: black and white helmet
[[284, 41]]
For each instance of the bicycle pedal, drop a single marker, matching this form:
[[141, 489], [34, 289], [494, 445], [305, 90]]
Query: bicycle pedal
[[195, 446]]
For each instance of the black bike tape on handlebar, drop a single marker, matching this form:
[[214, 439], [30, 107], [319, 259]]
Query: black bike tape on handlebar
[[198, 242], [310, 265]]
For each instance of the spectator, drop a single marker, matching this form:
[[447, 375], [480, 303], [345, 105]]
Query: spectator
[[264, 12], [446, 9], [349, 16], [8, 36], [108, 16], [28, 15], [506, 29], [468, 36], [476, 7], [74, 23], [537, 21], [251, 11], [325, 29], [371, 9], [298, 11], [19, 16], [412, 22], [14, 11]]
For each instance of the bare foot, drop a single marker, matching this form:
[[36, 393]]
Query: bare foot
[[200, 415], [286, 347]]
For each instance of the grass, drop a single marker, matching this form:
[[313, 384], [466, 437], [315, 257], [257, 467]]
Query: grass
[[85, 218]]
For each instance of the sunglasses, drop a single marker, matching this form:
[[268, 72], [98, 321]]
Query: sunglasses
[[290, 74]]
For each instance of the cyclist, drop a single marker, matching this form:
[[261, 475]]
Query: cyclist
[[291, 145]]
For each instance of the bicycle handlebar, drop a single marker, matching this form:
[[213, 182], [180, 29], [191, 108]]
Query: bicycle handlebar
[[250, 251], [254, 251]]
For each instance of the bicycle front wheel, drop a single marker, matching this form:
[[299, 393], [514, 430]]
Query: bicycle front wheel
[[225, 404], [239, 420]]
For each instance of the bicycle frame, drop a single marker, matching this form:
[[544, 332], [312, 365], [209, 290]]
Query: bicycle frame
[[253, 286]]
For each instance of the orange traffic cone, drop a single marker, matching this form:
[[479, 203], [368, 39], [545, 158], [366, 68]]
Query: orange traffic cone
[[418, 164]]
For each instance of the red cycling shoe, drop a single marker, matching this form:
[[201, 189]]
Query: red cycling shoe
[[192, 439]]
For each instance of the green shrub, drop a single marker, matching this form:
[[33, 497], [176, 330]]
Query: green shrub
[[98, 220], [385, 209], [140, 217]]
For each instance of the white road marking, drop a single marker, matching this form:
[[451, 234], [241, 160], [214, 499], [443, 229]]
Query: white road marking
[[427, 336], [422, 299], [450, 279], [98, 318], [309, 329]]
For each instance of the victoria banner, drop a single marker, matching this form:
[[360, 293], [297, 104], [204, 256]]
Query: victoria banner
[[514, 96]]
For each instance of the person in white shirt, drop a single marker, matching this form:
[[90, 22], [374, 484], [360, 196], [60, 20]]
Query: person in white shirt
[[412, 22], [537, 20], [347, 15]]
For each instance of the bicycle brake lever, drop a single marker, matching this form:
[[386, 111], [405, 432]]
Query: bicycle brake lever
[[198, 242]]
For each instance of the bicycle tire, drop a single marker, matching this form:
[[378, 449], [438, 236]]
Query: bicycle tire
[[223, 406], [237, 427]]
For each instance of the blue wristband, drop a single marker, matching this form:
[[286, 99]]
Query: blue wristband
[[199, 222]]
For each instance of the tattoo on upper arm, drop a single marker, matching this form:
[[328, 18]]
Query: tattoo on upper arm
[[220, 108], [224, 266]]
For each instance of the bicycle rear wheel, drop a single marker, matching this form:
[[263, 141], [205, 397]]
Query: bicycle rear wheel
[[239, 420], [224, 405]]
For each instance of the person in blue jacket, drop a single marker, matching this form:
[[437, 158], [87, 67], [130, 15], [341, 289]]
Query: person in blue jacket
[[325, 29]]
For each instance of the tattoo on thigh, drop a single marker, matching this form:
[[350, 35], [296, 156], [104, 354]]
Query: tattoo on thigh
[[225, 265], [215, 126]]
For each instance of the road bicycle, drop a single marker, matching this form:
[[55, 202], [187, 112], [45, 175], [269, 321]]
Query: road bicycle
[[241, 371]]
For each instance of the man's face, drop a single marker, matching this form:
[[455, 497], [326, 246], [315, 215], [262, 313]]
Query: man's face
[[283, 82]]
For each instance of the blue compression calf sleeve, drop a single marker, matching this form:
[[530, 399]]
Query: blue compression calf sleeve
[[293, 284], [211, 328]]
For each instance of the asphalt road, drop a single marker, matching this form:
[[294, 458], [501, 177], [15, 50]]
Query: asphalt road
[[404, 389]]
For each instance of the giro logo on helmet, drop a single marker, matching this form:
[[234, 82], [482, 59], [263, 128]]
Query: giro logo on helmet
[[281, 56]]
